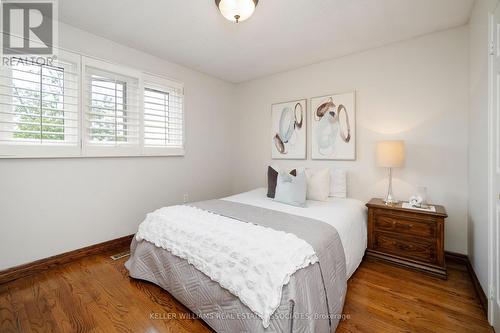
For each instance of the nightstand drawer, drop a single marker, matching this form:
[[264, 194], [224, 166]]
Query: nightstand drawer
[[405, 226], [403, 247]]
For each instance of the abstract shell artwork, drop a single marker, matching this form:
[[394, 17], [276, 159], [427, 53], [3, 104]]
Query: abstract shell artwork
[[333, 120], [288, 132]]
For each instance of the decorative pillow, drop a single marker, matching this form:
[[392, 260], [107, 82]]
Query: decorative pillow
[[272, 175], [291, 190], [318, 184], [338, 183]]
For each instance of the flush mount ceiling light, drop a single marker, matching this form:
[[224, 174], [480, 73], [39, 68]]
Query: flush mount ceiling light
[[236, 10]]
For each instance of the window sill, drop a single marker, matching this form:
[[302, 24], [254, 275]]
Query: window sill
[[157, 152]]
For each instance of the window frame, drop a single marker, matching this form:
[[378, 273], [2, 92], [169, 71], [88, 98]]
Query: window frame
[[90, 149], [19, 150], [154, 82]]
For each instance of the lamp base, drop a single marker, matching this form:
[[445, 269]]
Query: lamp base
[[389, 198]]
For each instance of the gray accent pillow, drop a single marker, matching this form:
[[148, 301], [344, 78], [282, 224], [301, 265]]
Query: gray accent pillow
[[291, 190]]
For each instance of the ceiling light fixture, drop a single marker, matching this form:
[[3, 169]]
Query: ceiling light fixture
[[236, 10]]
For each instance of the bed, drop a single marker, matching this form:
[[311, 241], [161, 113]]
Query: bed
[[310, 300]]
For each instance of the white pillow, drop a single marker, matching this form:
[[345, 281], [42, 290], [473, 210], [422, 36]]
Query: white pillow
[[338, 183], [318, 184]]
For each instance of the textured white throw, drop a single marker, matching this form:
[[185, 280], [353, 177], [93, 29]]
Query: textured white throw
[[251, 261]]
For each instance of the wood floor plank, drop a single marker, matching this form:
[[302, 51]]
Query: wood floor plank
[[95, 295], [29, 302], [8, 318]]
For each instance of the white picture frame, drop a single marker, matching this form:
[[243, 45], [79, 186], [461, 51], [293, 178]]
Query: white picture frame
[[333, 127], [289, 130]]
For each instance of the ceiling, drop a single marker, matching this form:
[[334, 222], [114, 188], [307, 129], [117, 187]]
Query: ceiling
[[281, 35]]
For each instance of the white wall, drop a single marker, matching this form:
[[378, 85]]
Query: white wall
[[415, 90], [478, 140], [50, 206]]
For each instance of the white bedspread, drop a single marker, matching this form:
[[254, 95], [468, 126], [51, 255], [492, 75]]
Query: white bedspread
[[252, 262], [348, 216]]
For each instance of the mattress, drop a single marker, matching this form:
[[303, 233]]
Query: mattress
[[348, 216]]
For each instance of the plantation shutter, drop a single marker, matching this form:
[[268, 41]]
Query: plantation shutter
[[163, 116], [111, 109], [39, 107]]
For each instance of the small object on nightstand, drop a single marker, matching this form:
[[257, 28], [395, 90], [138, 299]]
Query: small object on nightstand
[[425, 208], [412, 238], [419, 200], [415, 201]]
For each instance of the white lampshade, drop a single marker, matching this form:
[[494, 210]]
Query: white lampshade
[[390, 154], [236, 10]]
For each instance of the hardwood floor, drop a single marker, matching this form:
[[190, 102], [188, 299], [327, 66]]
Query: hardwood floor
[[385, 298], [95, 294]]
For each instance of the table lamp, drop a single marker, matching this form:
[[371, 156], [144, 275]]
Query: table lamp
[[390, 154]]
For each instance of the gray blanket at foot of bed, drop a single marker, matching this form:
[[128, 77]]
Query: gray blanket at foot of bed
[[311, 302]]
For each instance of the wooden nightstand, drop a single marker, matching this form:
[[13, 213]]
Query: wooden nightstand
[[407, 237]]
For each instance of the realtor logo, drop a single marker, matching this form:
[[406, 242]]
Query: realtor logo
[[28, 27]]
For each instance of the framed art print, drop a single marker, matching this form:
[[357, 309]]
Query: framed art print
[[288, 130], [333, 127]]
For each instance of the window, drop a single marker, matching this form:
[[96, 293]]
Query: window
[[39, 108], [111, 107], [163, 116], [80, 106]]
